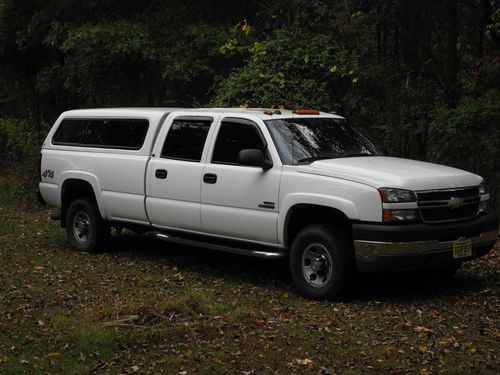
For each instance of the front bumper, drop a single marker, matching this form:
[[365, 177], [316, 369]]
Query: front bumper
[[386, 248]]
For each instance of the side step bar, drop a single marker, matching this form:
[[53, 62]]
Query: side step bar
[[263, 254]]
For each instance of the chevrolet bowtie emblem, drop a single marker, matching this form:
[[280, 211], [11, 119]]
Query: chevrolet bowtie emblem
[[455, 202]]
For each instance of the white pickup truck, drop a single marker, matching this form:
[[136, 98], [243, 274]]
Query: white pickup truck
[[267, 183]]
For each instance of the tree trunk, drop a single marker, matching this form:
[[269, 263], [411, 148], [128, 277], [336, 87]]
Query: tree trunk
[[452, 56]]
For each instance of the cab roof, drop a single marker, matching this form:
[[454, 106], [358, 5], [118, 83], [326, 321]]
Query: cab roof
[[263, 113]]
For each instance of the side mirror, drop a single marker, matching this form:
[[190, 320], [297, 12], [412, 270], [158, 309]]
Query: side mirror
[[254, 158]]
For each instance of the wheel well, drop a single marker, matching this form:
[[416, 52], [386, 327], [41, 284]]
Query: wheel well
[[302, 215], [73, 189]]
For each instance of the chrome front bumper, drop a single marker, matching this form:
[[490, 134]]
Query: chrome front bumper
[[369, 251]]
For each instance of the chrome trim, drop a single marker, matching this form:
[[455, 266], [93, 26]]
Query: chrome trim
[[442, 203], [180, 232], [368, 251], [228, 249], [400, 206], [449, 220], [451, 189]]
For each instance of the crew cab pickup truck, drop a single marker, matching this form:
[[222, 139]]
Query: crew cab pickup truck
[[266, 183]]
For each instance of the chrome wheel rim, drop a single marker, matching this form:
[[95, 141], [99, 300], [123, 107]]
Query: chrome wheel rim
[[81, 226], [317, 265]]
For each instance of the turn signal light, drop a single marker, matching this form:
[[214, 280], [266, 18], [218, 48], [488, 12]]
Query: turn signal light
[[306, 112], [399, 215], [386, 216]]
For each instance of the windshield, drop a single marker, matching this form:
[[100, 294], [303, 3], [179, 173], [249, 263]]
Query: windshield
[[305, 140]]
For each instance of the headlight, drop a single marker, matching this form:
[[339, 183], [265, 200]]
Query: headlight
[[399, 215], [390, 195], [483, 207], [485, 198], [482, 189]]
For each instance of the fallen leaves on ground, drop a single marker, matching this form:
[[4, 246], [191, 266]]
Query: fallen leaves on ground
[[146, 307]]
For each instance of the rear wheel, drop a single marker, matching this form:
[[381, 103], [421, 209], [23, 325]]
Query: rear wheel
[[321, 262], [85, 228]]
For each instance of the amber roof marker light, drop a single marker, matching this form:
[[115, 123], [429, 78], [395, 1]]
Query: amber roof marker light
[[306, 112]]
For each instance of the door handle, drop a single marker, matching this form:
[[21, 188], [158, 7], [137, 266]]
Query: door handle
[[210, 178], [161, 174]]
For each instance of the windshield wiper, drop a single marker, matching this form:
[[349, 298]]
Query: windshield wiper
[[313, 159], [353, 154], [346, 155]]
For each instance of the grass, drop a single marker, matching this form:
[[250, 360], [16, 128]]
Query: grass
[[147, 307]]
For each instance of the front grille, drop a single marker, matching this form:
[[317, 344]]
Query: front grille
[[437, 195], [434, 206]]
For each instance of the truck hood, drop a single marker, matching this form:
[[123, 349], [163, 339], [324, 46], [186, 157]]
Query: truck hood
[[382, 171]]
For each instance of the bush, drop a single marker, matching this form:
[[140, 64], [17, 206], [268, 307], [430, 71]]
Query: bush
[[468, 137], [18, 142], [290, 70], [18, 190], [19, 147]]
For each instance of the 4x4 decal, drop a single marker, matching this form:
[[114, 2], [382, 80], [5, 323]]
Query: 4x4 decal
[[48, 173]]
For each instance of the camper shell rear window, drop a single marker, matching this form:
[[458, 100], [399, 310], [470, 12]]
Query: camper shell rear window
[[120, 133]]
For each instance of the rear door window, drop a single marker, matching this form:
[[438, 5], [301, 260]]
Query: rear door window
[[186, 138]]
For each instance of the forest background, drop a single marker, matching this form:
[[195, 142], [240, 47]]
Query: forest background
[[420, 77]]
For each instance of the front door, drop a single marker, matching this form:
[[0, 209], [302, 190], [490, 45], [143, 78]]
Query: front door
[[239, 201]]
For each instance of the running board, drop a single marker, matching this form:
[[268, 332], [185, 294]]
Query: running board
[[263, 254]]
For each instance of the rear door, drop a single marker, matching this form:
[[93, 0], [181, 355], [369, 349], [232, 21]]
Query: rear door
[[175, 171], [240, 201]]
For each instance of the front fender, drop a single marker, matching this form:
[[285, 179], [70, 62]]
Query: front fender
[[347, 207]]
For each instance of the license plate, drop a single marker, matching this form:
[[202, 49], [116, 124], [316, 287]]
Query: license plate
[[462, 249]]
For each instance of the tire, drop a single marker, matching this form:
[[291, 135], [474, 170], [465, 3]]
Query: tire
[[85, 229], [322, 262]]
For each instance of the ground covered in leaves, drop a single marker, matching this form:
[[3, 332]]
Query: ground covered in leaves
[[148, 307]]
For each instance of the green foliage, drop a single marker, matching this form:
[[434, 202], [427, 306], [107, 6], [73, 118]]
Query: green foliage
[[468, 137], [17, 140], [472, 128], [72, 54], [290, 69], [19, 147], [18, 189], [107, 61], [419, 77], [493, 29]]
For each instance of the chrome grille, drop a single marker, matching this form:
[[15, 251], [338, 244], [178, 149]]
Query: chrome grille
[[434, 206]]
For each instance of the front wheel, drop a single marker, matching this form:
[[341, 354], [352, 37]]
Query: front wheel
[[85, 228], [321, 262]]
